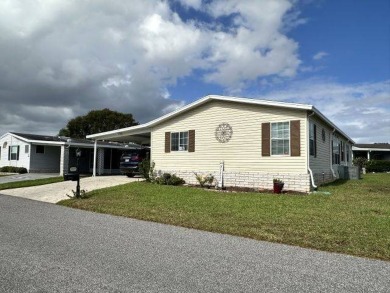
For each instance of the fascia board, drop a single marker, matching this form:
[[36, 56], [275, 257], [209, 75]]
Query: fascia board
[[354, 148], [138, 129], [323, 117], [18, 137], [43, 142]]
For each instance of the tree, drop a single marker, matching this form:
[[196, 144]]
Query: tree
[[97, 121]]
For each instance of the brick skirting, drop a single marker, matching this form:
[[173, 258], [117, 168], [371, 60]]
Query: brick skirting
[[255, 180]]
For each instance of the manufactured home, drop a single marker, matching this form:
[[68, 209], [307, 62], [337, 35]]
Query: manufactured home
[[244, 143], [54, 154]]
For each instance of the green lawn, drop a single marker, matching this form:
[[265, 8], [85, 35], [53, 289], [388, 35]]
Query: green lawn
[[28, 183], [353, 219]]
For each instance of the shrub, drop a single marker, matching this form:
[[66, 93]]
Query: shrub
[[22, 170], [203, 179], [378, 166], [12, 169], [169, 179], [360, 162], [144, 169]]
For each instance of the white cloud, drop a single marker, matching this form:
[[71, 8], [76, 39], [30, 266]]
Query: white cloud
[[58, 55], [255, 47], [196, 4], [320, 55], [360, 110]]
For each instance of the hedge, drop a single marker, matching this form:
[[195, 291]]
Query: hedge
[[378, 166], [11, 169]]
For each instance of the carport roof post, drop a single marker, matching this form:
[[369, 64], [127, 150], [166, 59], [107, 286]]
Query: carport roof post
[[94, 158]]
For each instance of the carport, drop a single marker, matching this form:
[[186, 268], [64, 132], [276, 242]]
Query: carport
[[139, 134]]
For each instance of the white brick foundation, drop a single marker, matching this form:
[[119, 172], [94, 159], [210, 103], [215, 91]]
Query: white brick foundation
[[255, 180]]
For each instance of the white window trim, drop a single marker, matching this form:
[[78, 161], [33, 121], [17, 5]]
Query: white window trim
[[12, 147], [289, 139], [311, 125], [179, 132], [337, 140]]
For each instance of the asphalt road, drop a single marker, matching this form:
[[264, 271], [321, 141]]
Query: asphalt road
[[48, 248]]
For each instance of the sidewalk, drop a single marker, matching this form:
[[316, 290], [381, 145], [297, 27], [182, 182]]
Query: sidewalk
[[58, 191]]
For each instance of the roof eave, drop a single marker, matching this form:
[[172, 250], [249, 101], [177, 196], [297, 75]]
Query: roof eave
[[323, 117], [142, 128]]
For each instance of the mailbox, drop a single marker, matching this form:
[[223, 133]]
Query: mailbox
[[72, 175]]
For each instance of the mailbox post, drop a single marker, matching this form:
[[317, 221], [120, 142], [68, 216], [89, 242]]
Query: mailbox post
[[74, 173]]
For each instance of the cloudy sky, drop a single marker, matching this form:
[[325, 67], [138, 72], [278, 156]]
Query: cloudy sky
[[62, 58]]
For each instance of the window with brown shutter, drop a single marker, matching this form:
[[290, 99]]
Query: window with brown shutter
[[191, 141], [265, 139], [167, 142], [295, 133]]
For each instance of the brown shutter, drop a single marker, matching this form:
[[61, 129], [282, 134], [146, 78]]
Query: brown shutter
[[191, 141], [17, 154], [315, 141], [265, 139], [295, 138], [9, 153], [167, 142]]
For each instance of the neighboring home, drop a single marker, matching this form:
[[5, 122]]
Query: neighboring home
[[244, 142], [54, 154], [373, 151]]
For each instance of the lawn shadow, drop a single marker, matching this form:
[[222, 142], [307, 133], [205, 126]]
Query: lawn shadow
[[338, 182]]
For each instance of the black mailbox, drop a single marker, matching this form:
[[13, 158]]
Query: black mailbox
[[73, 177], [73, 174]]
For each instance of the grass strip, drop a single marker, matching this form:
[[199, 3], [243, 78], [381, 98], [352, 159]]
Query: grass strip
[[28, 183], [354, 219]]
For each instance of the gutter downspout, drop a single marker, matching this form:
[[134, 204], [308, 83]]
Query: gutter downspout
[[308, 152], [331, 151], [221, 169]]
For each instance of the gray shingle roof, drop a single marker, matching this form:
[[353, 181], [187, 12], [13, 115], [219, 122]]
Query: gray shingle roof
[[49, 138], [373, 145]]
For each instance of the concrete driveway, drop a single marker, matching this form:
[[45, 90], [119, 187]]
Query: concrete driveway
[[50, 248], [55, 192]]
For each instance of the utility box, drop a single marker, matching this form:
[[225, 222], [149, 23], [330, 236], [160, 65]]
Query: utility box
[[343, 172], [354, 172]]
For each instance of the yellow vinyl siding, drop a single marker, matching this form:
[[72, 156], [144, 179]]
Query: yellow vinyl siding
[[241, 153]]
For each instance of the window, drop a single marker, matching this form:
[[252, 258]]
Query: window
[[26, 149], [179, 141], [348, 153], [342, 147], [335, 151], [280, 138], [14, 153], [312, 139], [40, 149]]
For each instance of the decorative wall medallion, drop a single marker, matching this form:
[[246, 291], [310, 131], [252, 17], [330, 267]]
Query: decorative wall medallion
[[224, 132], [323, 135]]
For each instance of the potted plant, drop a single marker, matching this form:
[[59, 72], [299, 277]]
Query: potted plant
[[278, 185]]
